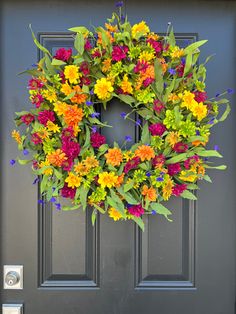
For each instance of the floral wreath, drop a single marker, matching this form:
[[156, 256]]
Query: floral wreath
[[161, 82]]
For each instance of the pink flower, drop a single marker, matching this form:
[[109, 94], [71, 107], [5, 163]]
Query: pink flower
[[62, 76], [131, 164], [157, 45], [68, 192], [180, 147], [157, 129], [174, 169], [158, 160], [27, 118], [97, 139], [63, 54], [87, 45], [141, 66], [67, 164], [119, 52], [35, 84], [158, 106], [85, 80], [71, 148], [180, 69], [148, 81], [96, 54], [37, 100], [36, 139], [178, 189], [84, 68], [200, 96], [67, 133], [190, 161], [136, 210], [45, 116]]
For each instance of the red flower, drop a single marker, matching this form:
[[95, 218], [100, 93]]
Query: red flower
[[180, 147], [45, 116], [67, 164], [68, 192], [158, 160], [85, 80], [70, 148], [200, 96], [63, 54], [35, 84], [157, 45], [84, 68], [97, 139], [141, 66], [136, 210], [37, 100], [36, 139], [87, 45], [62, 76], [119, 52], [174, 169], [148, 81], [67, 133], [178, 189], [157, 129], [131, 164], [27, 118], [190, 161], [180, 69], [158, 106]]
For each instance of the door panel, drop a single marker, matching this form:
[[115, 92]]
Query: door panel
[[184, 266]]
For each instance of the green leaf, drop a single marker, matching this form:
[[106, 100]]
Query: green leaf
[[128, 197], [178, 158], [192, 186], [23, 161], [69, 96], [83, 196], [57, 62], [171, 38], [159, 83], [189, 195], [191, 48], [196, 138], [100, 209], [188, 63], [145, 137], [93, 217], [161, 210], [209, 153], [120, 204], [139, 222], [126, 99], [226, 113], [78, 29], [128, 186], [67, 208], [43, 184], [48, 63], [37, 43], [221, 167], [207, 178], [79, 43]]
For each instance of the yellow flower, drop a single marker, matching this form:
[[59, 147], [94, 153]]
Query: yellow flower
[[106, 65], [146, 56], [173, 138], [126, 85], [145, 152], [188, 176], [173, 97], [66, 89], [57, 158], [199, 111], [107, 179], [72, 73], [128, 155], [114, 156], [16, 135], [113, 213], [43, 133], [60, 108], [111, 28], [91, 162], [139, 30], [52, 127], [72, 180], [81, 169], [188, 100], [167, 189], [177, 52], [103, 88], [47, 171], [49, 95]]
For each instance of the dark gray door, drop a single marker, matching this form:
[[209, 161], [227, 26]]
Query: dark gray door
[[183, 267]]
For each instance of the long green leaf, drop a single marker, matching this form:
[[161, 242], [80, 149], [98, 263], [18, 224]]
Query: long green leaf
[[161, 210], [191, 48], [79, 43], [189, 195], [37, 43]]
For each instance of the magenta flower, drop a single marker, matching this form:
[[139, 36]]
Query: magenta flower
[[148, 81], [158, 160], [158, 106], [131, 164], [119, 52], [84, 68], [45, 116], [178, 189], [157, 129], [68, 192], [36, 139], [190, 161], [63, 54], [200, 96], [180, 147], [35, 84], [27, 118], [87, 45], [62, 76], [136, 210], [174, 169], [71, 148], [67, 133], [141, 66], [37, 100], [67, 164], [180, 69], [85, 80], [97, 139], [156, 45]]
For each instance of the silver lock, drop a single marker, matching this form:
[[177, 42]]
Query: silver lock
[[13, 277]]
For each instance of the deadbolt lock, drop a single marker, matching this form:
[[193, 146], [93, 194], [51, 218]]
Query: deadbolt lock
[[13, 277]]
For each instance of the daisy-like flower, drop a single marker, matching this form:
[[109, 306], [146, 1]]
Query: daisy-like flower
[[114, 214], [17, 137], [72, 73], [149, 193], [66, 89], [139, 30], [73, 181], [103, 88], [68, 192], [114, 156], [172, 138], [73, 115], [52, 127], [199, 111], [56, 158], [126, 86], [144, 152], [177, 52], [79, 97], [27, 118], [167, 189], [91, 162], [107, 179]]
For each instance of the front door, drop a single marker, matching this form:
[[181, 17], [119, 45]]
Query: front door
[[183, 267]]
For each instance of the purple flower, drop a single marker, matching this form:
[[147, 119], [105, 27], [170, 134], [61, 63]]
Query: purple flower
[[216, 147], [119, 4], [217, 95], [128, 138], [53, 200], [123, 114], [36, 180], [58, 206], [211, 121], [230, 91], [148, 174], [95, 114], [198, 132], [12, 162], [94, 129], [165, 85], [91, 92], [122, 18], [89, 103], [172, 71], [25, 152], [41, 201], [159, 179], [138, 122], [153, 212]]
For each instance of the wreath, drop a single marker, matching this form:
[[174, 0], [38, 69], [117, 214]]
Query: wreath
[[163, 84]]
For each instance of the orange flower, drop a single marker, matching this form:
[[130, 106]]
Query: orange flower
[[106, 65], [66, 89], [73, 115], [114, 156], [56, 158], [150, 193], [81, 169], [111, 28], [145, 152], [149, 73], [164, 65], [120, 180], [16, 135], [79, 97], [91, 162], [102, 42]]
